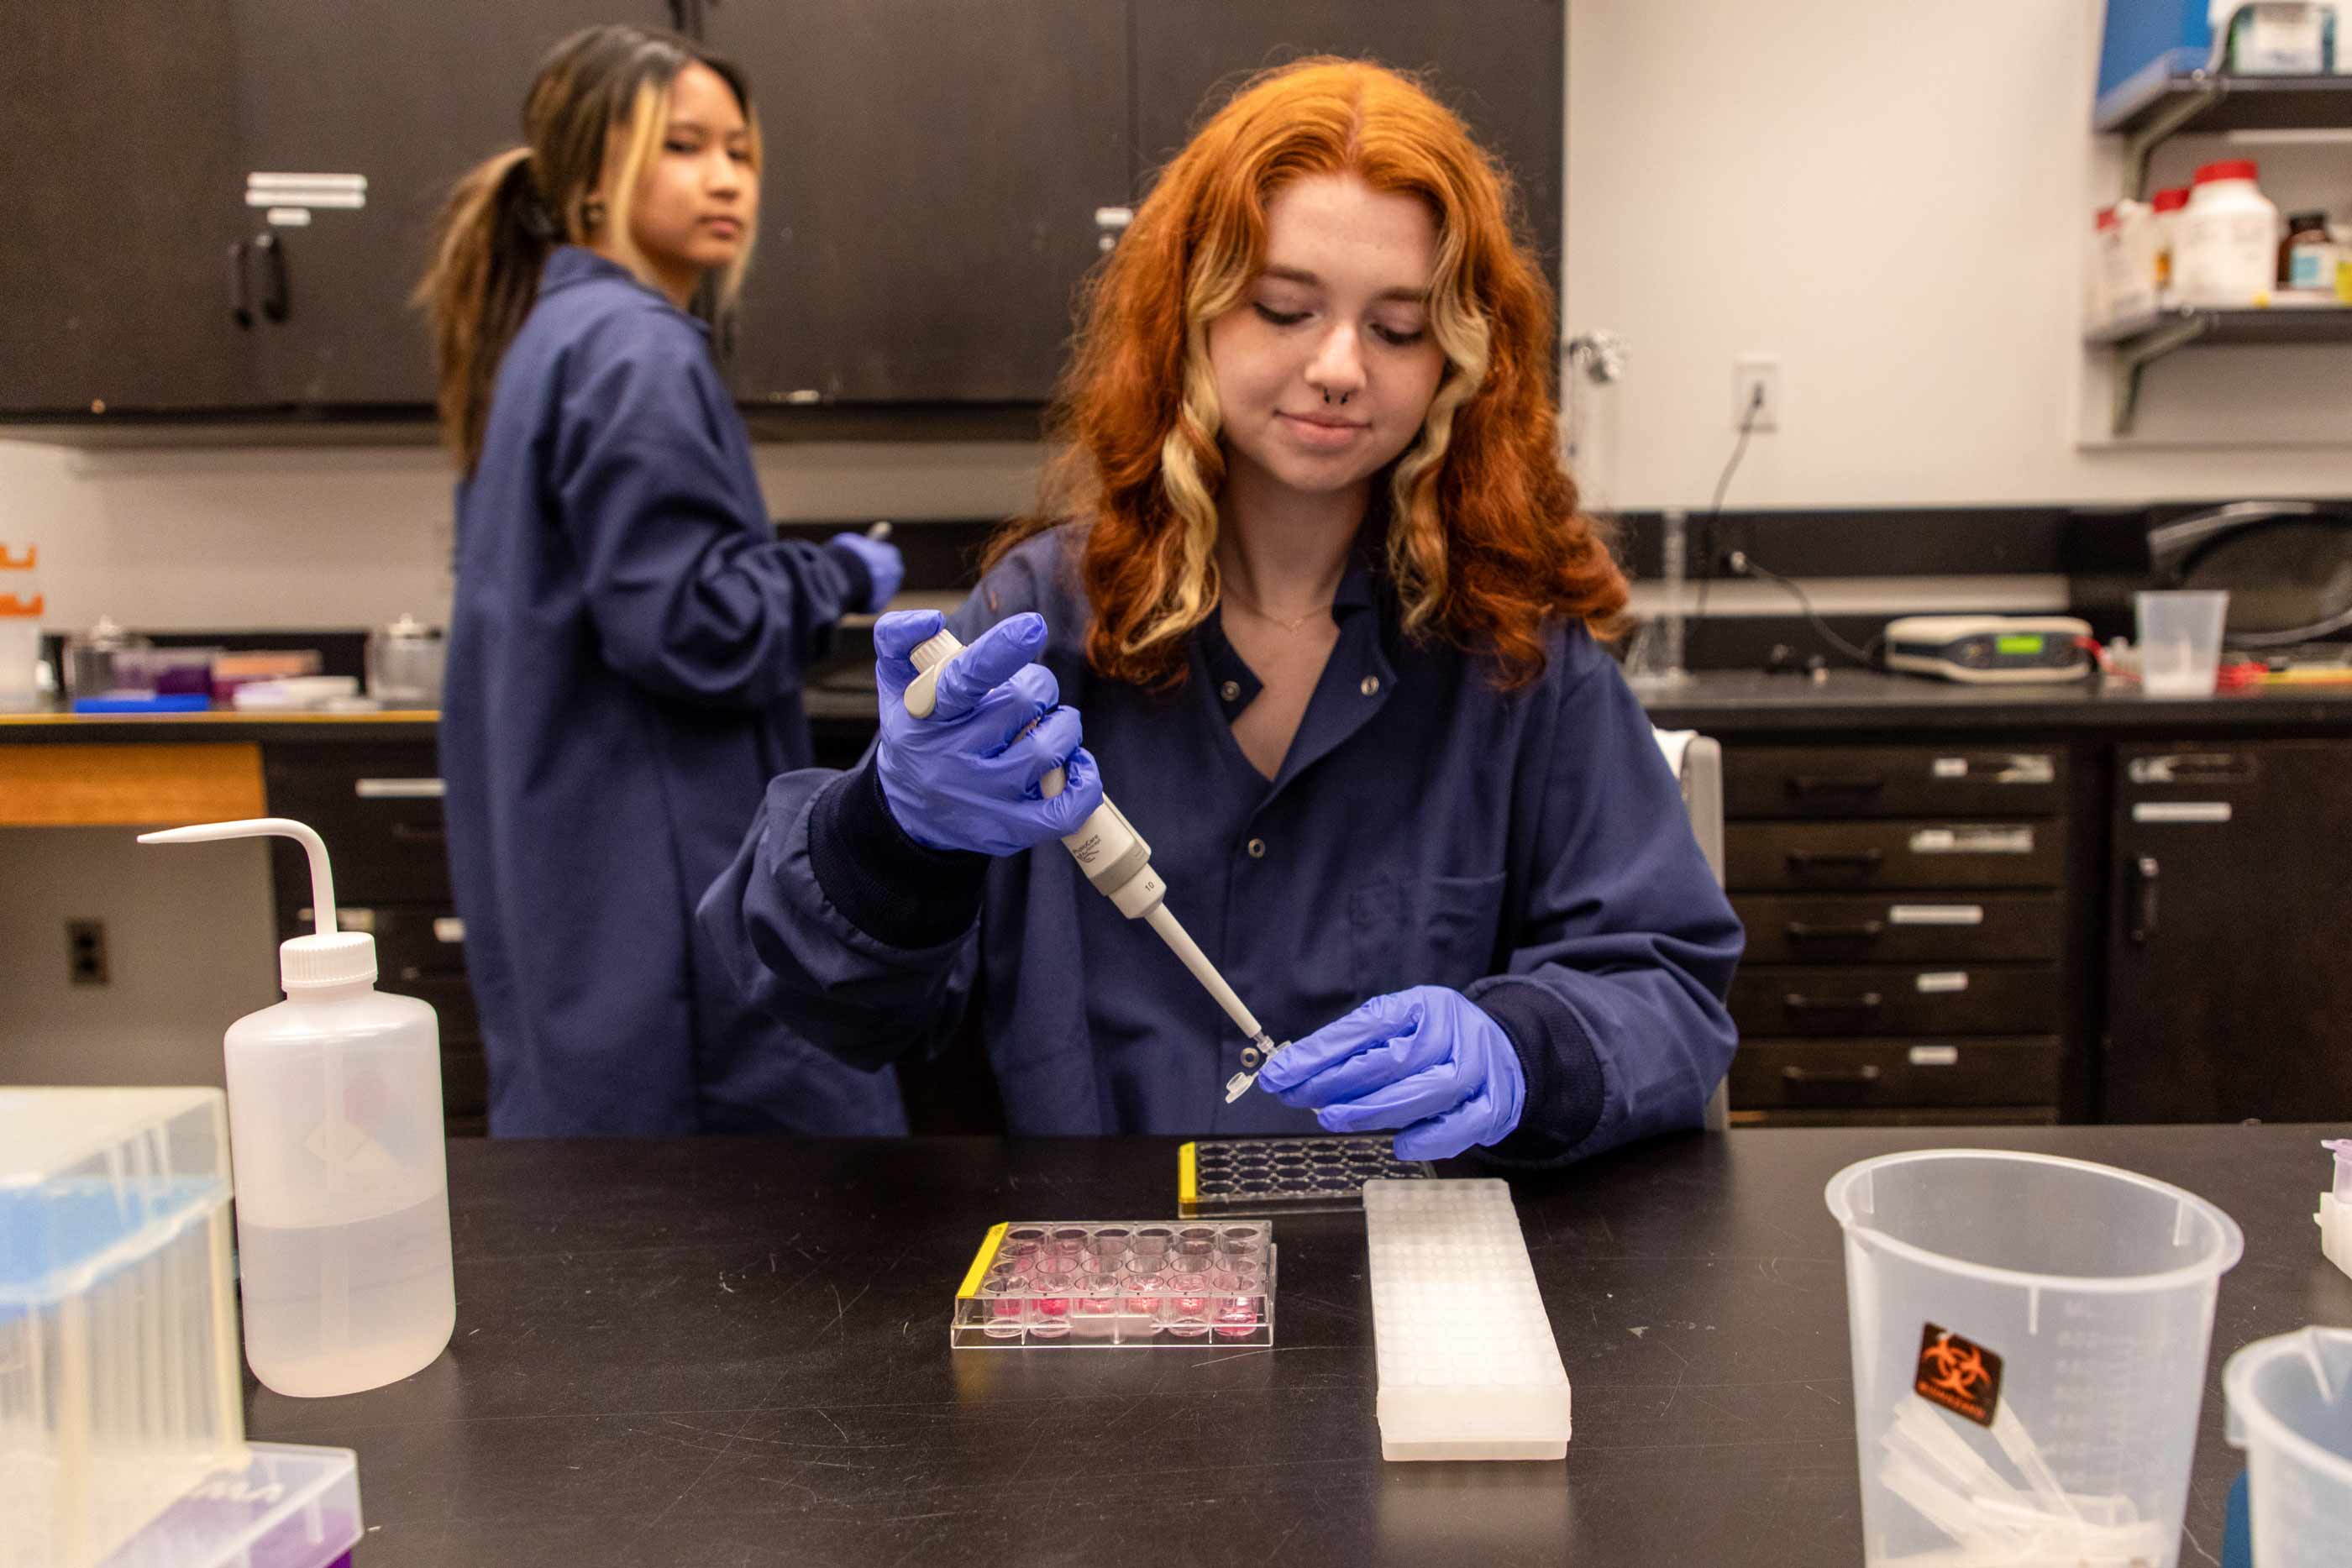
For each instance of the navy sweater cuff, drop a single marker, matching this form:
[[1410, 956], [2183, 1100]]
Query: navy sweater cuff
[[890, 887], [858, 594], [1565, 1087]]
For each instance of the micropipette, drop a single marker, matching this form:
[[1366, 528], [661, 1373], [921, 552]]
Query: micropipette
[[1119, 862]]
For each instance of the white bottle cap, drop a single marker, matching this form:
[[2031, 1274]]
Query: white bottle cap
[[330, 958]]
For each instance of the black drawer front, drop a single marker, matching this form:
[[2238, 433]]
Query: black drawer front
[[1864, 1075], [1893, 781], [1841, 1003], [1837, 856], [465, 1090], [1833, 928], [378, 807]]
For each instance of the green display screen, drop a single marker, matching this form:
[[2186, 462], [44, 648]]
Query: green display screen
[[2017, 643]]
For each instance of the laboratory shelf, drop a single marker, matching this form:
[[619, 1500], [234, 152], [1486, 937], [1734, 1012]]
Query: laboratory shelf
[[2139, 341], [2166, 100]]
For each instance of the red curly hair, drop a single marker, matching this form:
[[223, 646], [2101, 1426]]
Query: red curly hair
[[1486, 541]]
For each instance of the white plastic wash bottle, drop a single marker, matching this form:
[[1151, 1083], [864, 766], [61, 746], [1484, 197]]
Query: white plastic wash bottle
[[342, 1194]]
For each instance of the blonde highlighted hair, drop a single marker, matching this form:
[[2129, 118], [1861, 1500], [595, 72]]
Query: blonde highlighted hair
[[593, 119], [1485, 542]]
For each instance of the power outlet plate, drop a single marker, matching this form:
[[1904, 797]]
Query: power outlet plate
[[86, 951], [1750, 375]]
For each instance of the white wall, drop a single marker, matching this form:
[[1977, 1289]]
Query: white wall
[[250, 537], [1890, 195], [190, 942]]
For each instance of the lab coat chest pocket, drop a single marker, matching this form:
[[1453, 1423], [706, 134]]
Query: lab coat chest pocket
[[1436, 932]]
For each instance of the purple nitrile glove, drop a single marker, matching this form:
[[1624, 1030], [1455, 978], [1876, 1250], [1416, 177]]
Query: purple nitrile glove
[[967, 776], [1427, 1060], [883, 563]]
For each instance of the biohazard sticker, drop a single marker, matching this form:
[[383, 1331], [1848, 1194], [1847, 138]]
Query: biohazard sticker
[[1960, 1376]]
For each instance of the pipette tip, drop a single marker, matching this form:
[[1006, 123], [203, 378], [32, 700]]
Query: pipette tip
[[1254, 1060]]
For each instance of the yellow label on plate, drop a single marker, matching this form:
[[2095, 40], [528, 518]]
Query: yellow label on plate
[[980, 1259], [1188, 1174]]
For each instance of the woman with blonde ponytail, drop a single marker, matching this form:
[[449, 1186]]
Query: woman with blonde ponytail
[[1310, 567], [628, 633]]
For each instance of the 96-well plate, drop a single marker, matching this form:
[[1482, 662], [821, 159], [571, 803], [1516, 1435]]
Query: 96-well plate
[[1287, 1176]]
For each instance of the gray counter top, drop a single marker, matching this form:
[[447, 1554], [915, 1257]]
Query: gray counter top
[[735, 1350], [1720, 703], [1726, 701]]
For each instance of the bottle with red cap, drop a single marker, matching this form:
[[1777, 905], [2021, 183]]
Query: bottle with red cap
[[2227, 253]]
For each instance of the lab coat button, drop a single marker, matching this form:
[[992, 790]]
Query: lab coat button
[[1372, 685], [1257, 849], [1231, 691]]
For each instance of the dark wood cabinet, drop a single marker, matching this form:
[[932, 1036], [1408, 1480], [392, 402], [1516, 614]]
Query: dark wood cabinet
[[123, 178], [941, 175], [928, 210], [2229, 995], [1788, 1076], [151, 270], [1902, 964], [1811, 781], [1499, 65], [405, 96], [1826, 856]]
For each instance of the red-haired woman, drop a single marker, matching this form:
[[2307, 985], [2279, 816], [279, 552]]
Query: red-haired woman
[[1309, 568]]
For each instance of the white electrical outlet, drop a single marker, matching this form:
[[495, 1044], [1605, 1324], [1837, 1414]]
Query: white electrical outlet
[[1753, 374]]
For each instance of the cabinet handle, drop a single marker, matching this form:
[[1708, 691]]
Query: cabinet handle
[[2144, 874], [1861, 931], [240, 292], [399, 788], [1796, 1002], [1866, 1073], [1835, 784], [276, 300], [1868, 1002], [1814, 860]]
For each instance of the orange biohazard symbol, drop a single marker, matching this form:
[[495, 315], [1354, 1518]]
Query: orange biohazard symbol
[[1958, 1374]]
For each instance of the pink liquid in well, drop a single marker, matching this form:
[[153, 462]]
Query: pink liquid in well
[[1005, 1314], [1186, 1314]]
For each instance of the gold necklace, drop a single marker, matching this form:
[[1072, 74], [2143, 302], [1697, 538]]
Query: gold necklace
[[1259, 610]]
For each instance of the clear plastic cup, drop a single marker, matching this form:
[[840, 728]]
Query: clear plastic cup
[[2028, 1337], [2290, 1401], [2180, 642]]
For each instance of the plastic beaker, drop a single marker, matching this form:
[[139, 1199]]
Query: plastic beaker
[[2029, 1336], [2290, 1400], [2180, 642]]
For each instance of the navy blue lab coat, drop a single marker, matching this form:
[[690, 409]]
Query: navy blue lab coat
[[1528, 848], [624, 680]]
